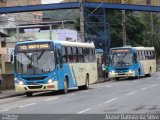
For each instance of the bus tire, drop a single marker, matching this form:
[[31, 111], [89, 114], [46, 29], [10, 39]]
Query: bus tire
[[29, 94], [86, 86], [150, 71], [65, 90]]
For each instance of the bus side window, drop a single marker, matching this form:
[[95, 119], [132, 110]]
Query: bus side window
[[135, 58], [154, 56], [64, 55], [86, 54], [59, 56], [94, 56], [137, 55], [75, 54], [91, 58], [70, 55], [80, 55]]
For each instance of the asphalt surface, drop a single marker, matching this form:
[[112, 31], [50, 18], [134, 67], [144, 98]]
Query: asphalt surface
[[125, 96]]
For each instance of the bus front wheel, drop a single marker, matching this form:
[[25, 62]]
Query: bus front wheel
[[65, 90], [29, 94], [138, 74]]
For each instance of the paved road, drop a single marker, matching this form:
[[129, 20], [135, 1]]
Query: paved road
[[125, 96]]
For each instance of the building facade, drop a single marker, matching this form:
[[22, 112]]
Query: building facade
[[11, 20]]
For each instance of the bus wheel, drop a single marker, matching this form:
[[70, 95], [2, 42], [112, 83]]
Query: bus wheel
[[138, 74], [65, 90], [150, 71], [117, 78], [87, 83], [86, 86], [29, 94]]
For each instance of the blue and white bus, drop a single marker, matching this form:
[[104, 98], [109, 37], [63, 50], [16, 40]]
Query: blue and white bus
[[131, 62], [46, 65]]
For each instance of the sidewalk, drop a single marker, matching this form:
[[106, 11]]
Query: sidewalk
[[9, 93]]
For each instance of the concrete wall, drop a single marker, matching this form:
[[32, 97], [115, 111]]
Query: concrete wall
[[8, 82]]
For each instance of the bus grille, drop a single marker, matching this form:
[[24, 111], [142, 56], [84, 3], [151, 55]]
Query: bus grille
[[35, 87], [121, 69], [35, 78]]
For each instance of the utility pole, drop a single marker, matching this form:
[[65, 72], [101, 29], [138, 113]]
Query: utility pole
[[17, 30], [148, 2], [124, 25], [82, 37], [152, 28], [50, 32]]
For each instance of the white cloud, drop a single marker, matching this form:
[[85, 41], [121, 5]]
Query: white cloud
[[51, 1]]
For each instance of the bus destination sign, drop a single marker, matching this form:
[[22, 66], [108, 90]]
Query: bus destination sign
[[121, 50], [37, 46]]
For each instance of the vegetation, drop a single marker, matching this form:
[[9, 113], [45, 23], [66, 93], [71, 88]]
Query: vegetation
[[138, 26]]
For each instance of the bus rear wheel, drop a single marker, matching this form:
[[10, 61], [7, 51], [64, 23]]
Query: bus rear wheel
[[29, 94], [150, 71], [86, 86]]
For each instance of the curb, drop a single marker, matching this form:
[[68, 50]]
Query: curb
[[13, 95]]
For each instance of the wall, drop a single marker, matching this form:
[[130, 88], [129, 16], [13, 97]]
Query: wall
[[8, 82]]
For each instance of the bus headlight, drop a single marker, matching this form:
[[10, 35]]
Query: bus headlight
[[20, 83], [15, 79], [130, 71], [112, 71], [50, 81]]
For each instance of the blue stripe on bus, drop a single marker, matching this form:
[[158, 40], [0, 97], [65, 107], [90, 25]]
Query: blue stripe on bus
[[61, 77]]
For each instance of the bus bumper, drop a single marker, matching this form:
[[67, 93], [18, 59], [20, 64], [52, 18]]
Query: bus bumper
[[122, 75], [35, 88]]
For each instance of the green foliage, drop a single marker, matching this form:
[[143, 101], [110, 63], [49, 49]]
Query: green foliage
[[60, 15], [116, 28]]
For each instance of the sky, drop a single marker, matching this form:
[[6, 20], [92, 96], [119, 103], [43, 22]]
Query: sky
[[50, 1]]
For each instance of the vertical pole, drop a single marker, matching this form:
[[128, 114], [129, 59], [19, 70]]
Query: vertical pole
[[148, 2], [124, 25], [105, 35], [50, 32], [152, 29], [17, 30], [82, 37]]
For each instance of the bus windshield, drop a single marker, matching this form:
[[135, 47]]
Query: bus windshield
[[121, 59], [35, 62]]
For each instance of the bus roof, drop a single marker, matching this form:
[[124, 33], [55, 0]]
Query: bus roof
[[64, 43], [136, 48]]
